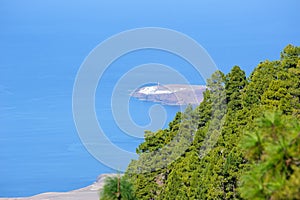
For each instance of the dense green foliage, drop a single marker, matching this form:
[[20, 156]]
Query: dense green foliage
[[117, 188], [272, 149], [241, 142]]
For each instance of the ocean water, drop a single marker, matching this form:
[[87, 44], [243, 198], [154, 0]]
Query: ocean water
[[40, 149]]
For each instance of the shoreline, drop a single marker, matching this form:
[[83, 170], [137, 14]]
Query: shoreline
[[90, 192]]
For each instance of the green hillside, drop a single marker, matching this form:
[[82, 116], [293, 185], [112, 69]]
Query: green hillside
[[241, 142]]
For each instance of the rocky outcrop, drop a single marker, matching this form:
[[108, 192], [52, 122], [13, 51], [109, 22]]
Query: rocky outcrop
[[172, 94]]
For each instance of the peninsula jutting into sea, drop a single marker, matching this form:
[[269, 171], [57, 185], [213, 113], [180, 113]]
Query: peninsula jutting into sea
[[171, 94]]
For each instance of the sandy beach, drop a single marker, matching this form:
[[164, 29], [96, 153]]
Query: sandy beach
[[90, 192]]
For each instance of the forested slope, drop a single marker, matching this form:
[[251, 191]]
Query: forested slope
[[241, 142]]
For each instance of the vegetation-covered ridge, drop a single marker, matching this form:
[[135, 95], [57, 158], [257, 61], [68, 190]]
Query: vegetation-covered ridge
[[241, 142]]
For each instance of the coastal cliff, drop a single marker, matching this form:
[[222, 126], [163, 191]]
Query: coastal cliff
[[171, 94]]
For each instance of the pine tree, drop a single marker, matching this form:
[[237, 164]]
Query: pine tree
[[273, 149], [117, 188]]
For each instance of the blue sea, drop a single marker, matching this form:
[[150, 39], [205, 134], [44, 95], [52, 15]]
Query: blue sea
[[41, 150]]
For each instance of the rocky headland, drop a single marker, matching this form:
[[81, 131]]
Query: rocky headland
[[171, 94]]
